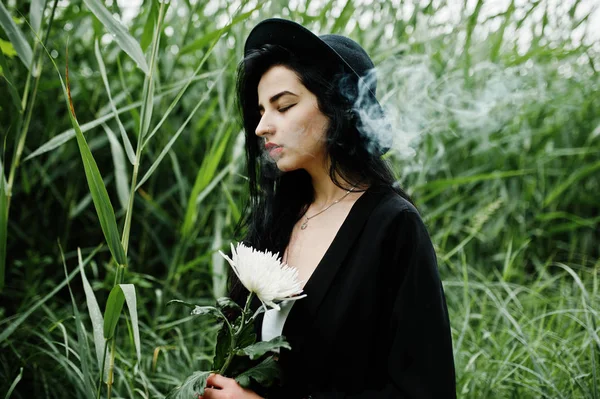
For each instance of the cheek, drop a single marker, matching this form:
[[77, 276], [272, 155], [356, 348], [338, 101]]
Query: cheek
[[317, 131]]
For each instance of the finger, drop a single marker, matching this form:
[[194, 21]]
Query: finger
[[219, 381], [212, 393]]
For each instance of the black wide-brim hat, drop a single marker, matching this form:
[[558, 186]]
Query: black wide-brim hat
[[329, 49]]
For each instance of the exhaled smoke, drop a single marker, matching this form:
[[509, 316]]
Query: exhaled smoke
[[269, 166], [416, 102]]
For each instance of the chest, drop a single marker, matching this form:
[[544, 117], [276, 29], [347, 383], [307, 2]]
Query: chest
[[307, 246]]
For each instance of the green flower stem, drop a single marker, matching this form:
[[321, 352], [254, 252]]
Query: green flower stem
[[234, 336]]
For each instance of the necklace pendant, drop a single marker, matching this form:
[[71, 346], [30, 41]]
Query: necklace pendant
[[303, 226]]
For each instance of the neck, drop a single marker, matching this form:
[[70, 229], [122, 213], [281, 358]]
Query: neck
[[325, 190]]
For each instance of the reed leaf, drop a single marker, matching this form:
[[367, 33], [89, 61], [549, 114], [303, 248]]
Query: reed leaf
[[3, 224], [16, 37], [569, 181], [215, 35], [204, 176], [131, 300], [67, 135], [82, 343], [119, 32], [14, 383], [102, 203], [149, 25], [36, 13], [121, 177], [95, 317], [174, 138], [114, 306], [7, 75], [126, 142], [148, 92], [23, 316]]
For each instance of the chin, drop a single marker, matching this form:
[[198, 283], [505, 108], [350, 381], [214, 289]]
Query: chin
[[286, 166]]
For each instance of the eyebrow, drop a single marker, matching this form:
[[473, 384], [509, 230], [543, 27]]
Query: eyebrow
[[276, 97]]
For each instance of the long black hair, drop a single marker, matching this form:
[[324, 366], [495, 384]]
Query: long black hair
[[278, 200]]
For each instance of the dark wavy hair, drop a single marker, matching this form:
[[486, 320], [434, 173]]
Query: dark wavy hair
[[278, 200]]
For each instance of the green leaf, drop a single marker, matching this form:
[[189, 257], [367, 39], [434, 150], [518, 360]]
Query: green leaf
[[207, 310], [246, 336], [67, 135], [174, 138], [95, 317], [189, 305], [186, 83], [126, 142], [3, 224], [119, 32], [7, 48], [14, 94], [457, 181], [215, 35], [572, 179], [235, 211], [149, 25], [204, 177], [148, 90], [258, 349], [192, 386], [36, 12], [102, 203], [83, 349], [131, 299], [265, 373], [14, 384], [23, 316], [16, 37], [122, 180], [114, 306], [226, 302], [222, 347]]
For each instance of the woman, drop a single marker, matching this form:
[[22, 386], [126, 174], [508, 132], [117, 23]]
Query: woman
[[374, 323]]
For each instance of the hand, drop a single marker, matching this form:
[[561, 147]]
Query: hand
[[226, 388]]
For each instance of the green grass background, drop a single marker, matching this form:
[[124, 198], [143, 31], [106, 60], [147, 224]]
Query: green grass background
[[497, 109]]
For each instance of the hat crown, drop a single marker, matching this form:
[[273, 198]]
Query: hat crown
[[353, 55]]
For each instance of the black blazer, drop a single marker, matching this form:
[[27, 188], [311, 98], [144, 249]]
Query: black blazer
[[374, 323]]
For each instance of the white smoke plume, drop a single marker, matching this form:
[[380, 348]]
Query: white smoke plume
[[417, 102]]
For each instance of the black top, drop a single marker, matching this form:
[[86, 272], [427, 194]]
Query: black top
[[374, 323]]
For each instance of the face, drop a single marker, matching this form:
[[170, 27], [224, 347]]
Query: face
[[292, 127]]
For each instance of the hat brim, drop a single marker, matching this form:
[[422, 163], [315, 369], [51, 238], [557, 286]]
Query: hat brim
[[294, 37]]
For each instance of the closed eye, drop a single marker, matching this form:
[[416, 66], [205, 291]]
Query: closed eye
[[282, 110]]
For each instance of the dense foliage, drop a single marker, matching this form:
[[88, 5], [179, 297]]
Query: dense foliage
[[497, 110]]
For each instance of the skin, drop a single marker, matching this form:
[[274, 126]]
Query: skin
[[225, 388], [294, 122]]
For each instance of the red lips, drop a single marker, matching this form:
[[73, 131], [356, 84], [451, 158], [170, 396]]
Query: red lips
[[270, 146], [273, 149]]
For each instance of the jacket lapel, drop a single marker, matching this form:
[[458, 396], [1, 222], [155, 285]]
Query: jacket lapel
[[304, 310]]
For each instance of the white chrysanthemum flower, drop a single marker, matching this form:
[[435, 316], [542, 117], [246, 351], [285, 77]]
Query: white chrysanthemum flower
[[263, 274]]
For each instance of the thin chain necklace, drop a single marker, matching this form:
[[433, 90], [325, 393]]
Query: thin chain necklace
[[304, 225]]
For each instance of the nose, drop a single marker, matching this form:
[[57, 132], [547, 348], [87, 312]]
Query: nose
[[263, 128]]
